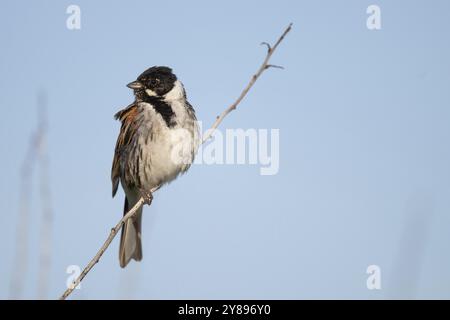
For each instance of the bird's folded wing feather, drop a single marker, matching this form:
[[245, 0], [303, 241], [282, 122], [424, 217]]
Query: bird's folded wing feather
[[127, 132]]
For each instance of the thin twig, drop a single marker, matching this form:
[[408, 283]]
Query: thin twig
[[265, 65], [105, 246]]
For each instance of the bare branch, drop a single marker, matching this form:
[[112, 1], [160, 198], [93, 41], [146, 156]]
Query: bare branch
[[105, 246], [265, 65]]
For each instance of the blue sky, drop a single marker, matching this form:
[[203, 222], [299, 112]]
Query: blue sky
[[364, 173]]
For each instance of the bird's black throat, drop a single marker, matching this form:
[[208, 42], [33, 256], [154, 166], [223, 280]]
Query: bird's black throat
[[163, 108]]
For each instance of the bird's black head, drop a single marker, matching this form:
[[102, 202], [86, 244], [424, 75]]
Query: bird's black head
[[154, 82]]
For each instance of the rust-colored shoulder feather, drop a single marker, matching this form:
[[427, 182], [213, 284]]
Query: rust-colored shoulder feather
[[127, 131]]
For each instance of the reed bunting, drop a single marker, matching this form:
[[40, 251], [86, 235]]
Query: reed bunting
[[158, 139]]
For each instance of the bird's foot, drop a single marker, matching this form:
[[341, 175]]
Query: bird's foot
[[147, 196]]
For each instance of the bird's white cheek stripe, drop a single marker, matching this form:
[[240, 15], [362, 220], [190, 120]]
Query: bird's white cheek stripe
[[150, 92], [176, 93]]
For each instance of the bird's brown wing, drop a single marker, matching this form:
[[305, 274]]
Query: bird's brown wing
[[127, 131]]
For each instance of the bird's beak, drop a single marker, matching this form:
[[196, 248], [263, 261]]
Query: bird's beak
[[135, 85]]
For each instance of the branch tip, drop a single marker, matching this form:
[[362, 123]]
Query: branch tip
[[274, 66], [269, 47]]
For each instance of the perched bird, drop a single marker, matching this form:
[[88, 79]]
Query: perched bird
[[158, 139]]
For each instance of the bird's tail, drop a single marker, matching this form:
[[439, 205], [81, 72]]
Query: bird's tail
[[130, 239]]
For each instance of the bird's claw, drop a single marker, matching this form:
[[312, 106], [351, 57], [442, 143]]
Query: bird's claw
[[147, 196]]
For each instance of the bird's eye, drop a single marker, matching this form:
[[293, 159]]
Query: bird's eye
[[154, 82]]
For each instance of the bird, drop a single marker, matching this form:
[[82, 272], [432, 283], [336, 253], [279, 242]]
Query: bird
[[158, 140]]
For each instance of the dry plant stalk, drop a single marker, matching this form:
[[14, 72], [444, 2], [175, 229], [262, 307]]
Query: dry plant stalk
[[45, 237], [32, 158], [264, 66]]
